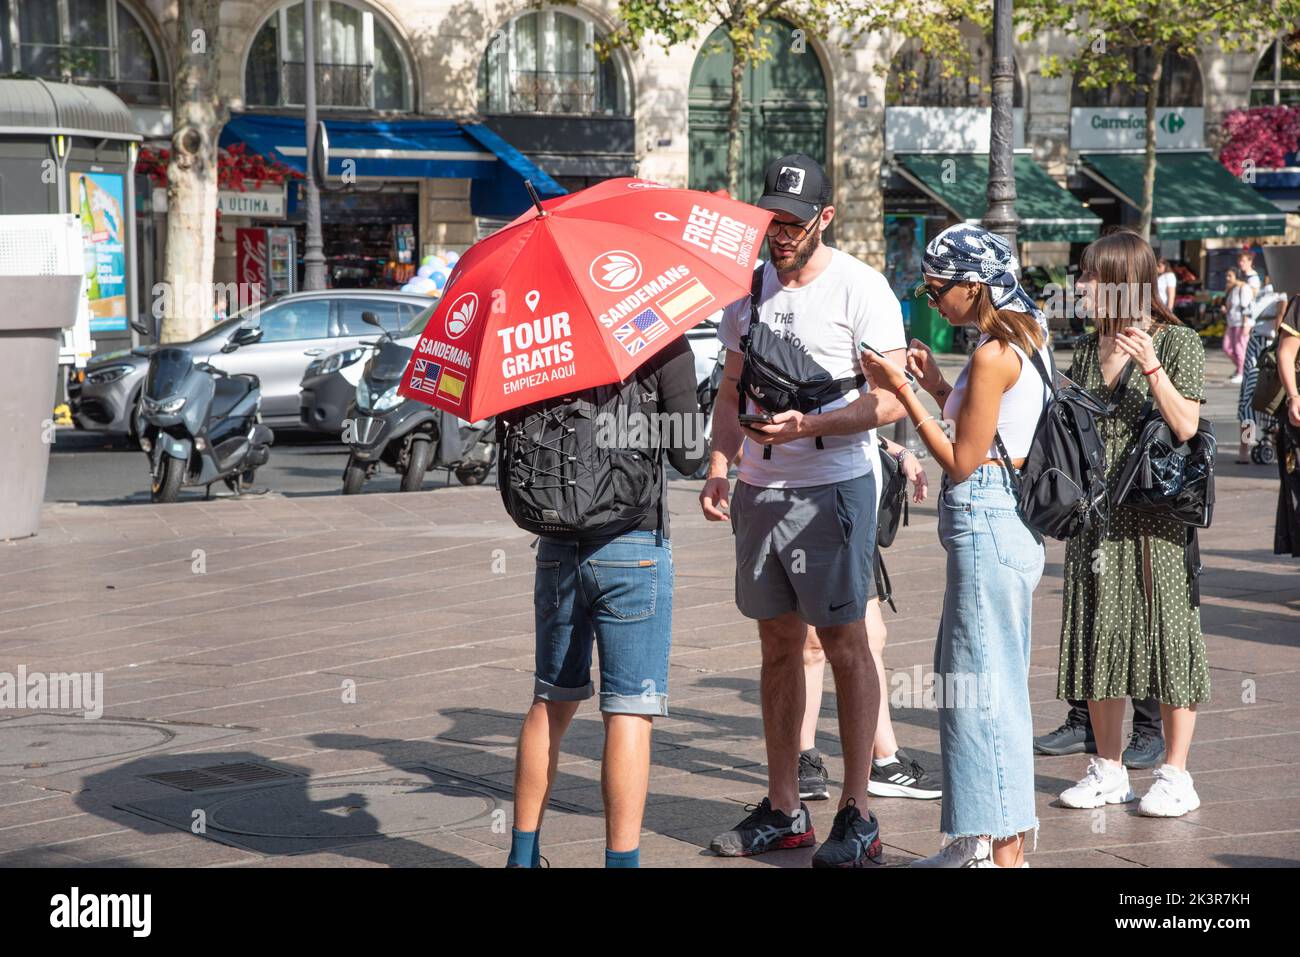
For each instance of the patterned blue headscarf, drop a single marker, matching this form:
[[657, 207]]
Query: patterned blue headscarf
[[971, 253]]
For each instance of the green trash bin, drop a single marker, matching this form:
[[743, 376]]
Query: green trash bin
[[927, 325]]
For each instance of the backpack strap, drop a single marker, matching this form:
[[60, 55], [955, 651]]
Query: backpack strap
[[1049, 380], [884, 587]]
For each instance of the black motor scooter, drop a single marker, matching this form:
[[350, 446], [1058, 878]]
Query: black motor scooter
[[411, 437], [200, 424]]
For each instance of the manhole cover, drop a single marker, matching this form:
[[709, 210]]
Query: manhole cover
[[328, 811], [63, 742], [219, 776]]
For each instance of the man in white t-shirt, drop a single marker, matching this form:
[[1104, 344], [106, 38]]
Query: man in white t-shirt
[[804, 511]]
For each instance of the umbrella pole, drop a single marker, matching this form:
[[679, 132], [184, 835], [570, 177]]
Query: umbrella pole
[[537, 201]]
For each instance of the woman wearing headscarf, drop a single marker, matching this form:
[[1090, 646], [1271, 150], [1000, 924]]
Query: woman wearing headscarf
[[994, 560]]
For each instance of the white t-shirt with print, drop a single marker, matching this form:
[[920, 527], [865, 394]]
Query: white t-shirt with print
[[848, 303]]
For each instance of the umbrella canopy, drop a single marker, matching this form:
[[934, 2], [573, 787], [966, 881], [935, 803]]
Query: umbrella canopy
[[579, 293]]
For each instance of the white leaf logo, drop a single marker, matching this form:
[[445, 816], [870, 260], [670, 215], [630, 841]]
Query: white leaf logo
[[461, 315], [615, 270]]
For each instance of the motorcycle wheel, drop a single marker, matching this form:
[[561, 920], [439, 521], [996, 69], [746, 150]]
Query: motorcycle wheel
[[166, 487], [472, 474], [354, 477], [417, 464]]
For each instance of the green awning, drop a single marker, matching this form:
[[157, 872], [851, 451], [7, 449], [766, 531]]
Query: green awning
[[1195, 197], [957, 181]]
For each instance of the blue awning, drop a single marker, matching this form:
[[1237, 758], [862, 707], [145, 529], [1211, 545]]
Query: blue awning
[[398, 149]]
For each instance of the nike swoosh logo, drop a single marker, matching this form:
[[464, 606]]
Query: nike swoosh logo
[[843, 604]]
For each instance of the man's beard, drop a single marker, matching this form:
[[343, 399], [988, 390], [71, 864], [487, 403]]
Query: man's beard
[[803, 252]]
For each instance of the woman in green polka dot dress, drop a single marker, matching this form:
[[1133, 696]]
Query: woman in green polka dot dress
[[1129, 628]]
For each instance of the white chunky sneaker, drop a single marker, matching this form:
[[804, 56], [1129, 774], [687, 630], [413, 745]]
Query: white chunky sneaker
[[1105, 783], [960, 852], [1172, 794]]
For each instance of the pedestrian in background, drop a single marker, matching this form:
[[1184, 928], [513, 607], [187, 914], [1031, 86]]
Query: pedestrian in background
[[1238, 295], [1129, 625], [1254, 425]]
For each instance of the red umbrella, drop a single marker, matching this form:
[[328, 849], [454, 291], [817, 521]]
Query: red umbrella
[[580, 291]]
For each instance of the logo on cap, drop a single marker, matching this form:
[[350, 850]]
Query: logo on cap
[[790, 180]]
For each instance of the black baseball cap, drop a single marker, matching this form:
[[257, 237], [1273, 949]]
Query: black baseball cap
[[796, 184]]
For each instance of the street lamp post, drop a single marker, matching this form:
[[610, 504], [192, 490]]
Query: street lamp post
[[1001, 216], [313, 255]]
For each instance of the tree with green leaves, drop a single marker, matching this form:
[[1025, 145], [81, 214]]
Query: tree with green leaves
[[1125, 42], [936, 27]]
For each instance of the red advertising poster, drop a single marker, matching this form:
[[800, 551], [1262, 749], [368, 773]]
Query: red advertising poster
[[250, 263]]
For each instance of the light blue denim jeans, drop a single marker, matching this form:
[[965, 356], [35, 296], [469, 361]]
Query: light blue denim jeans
[[981, 660]]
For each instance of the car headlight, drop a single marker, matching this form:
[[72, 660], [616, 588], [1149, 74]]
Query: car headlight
[[111, 374], [171, 405], [337, 361]]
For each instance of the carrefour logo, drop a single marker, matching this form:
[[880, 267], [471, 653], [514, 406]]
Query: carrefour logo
[[1171, 123], [615, 270], [461, 315]]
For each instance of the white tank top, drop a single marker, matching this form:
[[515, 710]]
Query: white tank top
[[1022, 404]]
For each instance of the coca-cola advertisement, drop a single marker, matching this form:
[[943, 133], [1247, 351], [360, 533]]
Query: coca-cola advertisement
[[250, 261]]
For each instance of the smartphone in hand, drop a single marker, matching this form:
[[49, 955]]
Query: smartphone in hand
[[761, 418], [866, 348]]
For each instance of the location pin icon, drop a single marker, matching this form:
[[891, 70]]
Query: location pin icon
[[531, 298]]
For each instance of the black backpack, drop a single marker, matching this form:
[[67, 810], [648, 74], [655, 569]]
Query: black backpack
[[567, 469], [780, 376], [1061, 490]]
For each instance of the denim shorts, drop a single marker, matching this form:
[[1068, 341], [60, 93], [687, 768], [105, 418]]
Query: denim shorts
[[981, 660], [617, 594]]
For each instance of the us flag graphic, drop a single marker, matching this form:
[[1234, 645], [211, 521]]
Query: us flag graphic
[[425, 375], [639, 331]]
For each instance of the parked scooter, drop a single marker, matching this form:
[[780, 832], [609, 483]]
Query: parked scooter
[[410, 436], [200, 424]]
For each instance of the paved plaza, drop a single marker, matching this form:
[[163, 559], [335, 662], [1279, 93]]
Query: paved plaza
[[296, 680]]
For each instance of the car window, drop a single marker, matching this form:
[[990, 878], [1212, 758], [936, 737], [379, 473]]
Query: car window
[[392, 316], [300, 319], [419, 319]]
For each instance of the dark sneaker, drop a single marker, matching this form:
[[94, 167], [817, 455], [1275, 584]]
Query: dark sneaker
[[1145, 750], [854, 840], [765, 830], [813, 779], [1073, 737], [903, 778]]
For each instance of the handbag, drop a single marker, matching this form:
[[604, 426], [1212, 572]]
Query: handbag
[[1165, 477]]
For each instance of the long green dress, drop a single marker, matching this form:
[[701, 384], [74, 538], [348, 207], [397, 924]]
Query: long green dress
[[1128, 627]]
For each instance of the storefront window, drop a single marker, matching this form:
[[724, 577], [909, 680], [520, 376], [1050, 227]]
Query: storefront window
[[359, 64], [98, 42], [1180, 84], [1277, 78], [918, 80], [543, 62]]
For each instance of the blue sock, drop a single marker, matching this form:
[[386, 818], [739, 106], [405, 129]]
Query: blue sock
[[524, 846], [630, 858]]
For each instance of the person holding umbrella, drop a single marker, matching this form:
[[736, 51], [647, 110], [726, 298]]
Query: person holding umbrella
[[803, 510], [567, 324]]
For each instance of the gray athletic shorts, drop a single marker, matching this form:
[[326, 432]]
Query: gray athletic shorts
[[806, 550]]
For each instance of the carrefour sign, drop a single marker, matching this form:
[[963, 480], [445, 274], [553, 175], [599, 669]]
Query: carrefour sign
[[1118, 128]]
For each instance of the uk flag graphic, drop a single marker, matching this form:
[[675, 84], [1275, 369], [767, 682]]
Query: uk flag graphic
[[639, 331], [425, 375]]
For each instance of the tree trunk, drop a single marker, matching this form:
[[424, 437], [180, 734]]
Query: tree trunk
[[738, 65], [1149, 159], [198, 114]]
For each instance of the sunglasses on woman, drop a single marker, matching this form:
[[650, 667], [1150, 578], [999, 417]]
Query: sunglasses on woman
[[931, 294]]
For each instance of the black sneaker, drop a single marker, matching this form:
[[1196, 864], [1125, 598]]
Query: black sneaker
[[903, 778], [1145, 750], [1073, 737], [854, 840], [765, 830], [813, 778]]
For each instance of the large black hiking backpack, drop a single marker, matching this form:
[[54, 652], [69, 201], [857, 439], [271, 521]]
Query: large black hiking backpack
[[1061, 490], [580, 466]]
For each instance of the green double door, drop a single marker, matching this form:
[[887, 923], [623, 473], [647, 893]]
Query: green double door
[[783, 110]]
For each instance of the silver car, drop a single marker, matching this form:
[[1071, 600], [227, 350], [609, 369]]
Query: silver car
[[296, 329]]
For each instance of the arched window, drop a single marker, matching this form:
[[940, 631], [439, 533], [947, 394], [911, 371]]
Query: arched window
[[543, 62], [101, 42], [359, 63], [1180, 84], [1277, 78], [918, 80]]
